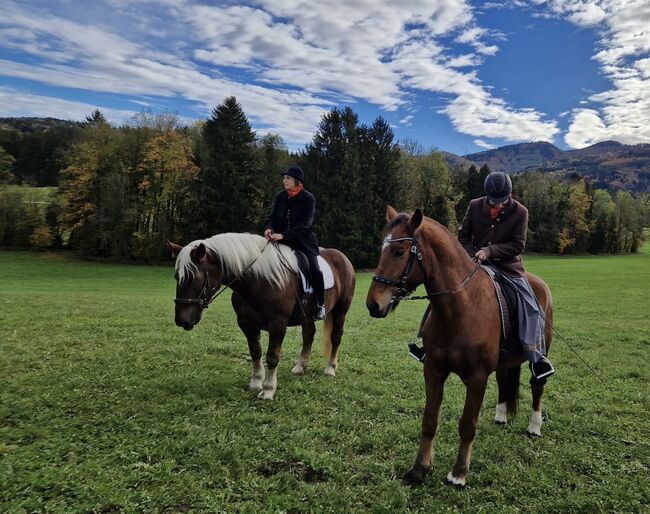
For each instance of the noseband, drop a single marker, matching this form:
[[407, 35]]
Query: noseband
[[414, 254]]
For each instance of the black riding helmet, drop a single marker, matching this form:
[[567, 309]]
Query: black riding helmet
[[498, 187]]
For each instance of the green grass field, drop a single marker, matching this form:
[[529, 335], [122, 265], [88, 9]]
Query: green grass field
[[106, 406]]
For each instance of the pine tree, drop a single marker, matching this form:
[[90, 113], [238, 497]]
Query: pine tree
[[229, 175]]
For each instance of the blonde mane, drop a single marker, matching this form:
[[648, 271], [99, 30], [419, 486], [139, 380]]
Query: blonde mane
[[236, 252]]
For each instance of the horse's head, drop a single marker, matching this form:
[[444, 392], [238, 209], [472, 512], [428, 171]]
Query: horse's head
[[399, 269], [197, 281]]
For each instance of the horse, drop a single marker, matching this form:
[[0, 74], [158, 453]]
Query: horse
[[462, 332], [266, 295]]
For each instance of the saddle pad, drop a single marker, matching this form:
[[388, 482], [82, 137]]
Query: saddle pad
[[504, 310], [328, 276]]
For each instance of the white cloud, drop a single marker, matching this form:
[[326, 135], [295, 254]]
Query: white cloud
[[292, 59], [484, 144], [623, 112]]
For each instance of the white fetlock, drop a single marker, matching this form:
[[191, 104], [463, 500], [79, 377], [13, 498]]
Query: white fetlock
[[458, 482], [535, 424], [330, 371], [255, 384], [298, 369], [501, 415]]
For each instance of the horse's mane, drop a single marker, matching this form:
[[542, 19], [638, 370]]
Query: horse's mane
[[236, 253]]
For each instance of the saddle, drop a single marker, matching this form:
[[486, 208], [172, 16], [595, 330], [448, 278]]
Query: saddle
[[303, 267], [507, 300]]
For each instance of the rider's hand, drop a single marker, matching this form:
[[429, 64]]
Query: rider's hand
[[481, 255], [267, 233], [276, 237]]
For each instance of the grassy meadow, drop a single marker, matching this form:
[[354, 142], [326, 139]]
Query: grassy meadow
[[106, 406]]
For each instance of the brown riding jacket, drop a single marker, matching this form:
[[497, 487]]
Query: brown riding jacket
[[503, 238]]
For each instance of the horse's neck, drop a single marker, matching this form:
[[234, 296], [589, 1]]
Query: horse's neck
[[451, 264]]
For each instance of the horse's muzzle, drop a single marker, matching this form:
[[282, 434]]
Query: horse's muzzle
[[377, 312], [186, 325]]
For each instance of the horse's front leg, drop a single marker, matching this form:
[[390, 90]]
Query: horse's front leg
[[276, 336], [308, 331], [475, 391], [434, 380], [255, 349]]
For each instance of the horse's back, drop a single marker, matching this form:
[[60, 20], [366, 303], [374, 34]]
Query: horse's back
[[344, 274]]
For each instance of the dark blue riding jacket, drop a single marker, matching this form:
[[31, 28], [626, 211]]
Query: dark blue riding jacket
[[293, 217]]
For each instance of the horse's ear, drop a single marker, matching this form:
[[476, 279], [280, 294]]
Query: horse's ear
[[199, 252], [390, 212], [174, 248], [416, 219]]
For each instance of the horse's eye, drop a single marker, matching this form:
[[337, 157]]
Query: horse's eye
[[399, 252]]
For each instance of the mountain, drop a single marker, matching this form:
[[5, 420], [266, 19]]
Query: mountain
[[27, 125], [609, 164]]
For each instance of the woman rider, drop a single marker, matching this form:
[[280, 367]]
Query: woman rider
[[494, 232], [290, 223]]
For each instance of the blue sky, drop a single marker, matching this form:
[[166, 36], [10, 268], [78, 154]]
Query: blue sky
[[457, 75]]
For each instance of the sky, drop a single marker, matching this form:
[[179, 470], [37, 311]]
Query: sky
[[454, 75]]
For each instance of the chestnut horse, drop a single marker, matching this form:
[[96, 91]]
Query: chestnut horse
[[461, 334], [266, 295]]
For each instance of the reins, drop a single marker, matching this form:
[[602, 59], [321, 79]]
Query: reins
[[203, 300]]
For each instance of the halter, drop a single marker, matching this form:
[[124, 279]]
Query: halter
[[401, 284], [414, 254]]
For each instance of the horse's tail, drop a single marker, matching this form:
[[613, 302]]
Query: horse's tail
[[511, 389], [327, 336]]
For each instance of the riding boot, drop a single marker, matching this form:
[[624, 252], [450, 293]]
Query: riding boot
[[541, 369], [319, 295], [416, 351]]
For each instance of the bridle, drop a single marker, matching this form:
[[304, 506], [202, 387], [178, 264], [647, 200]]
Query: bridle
[[403, 292], [206, 296], [414, 254], [209, 292]]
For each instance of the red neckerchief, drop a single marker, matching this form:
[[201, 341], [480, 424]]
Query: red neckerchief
[[494, 212], [294, 191]]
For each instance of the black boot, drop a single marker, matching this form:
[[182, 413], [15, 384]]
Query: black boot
[[319, 313]]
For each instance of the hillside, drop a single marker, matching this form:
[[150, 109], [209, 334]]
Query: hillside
[[608, 164]]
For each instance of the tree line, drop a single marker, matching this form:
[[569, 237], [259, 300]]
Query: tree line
[[122, 191]]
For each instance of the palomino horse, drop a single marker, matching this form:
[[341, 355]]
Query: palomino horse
[[267, 295], [461, 334]]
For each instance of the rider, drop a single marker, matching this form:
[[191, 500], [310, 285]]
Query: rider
[[290, 223], [494, 231]]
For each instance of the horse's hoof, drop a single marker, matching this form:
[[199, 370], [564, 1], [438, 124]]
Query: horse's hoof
[[329, 371], [298, 370], [499, 422], [458, 483], [265, 395], [414, 476], [255, 385], [533, 433]]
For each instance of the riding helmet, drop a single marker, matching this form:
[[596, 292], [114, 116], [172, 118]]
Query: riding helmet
[[498, 187], [295, 172]]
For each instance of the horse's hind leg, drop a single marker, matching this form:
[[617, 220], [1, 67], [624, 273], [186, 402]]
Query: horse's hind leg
[[332, 333], [434, 385], [508, 382], [308, 331], [475, 390], [535, 422], [255, 349], [276, 336]]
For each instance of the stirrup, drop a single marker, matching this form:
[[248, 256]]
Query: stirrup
[[542, 369], [417, 352]]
